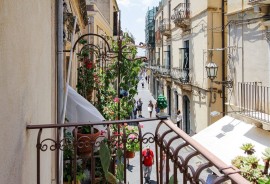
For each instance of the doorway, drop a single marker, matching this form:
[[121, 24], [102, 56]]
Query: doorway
[[186, 114]]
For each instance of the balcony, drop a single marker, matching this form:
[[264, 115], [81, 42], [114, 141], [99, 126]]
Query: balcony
[[181, 15], [165, 70], [186, 162], [254, 102], [165, 27], [181, 74], [255, 2]]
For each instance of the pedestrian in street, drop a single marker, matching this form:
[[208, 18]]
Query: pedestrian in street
[[139, 107], [150, 108], [142, 84], [148, 161], [179, 119], [157, 108], [135, 110]]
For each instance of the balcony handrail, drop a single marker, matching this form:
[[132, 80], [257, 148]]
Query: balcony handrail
[[159, 137], [88, 123], [254, 100]]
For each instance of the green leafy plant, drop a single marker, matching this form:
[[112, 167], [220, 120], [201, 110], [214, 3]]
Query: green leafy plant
[[248, 148], [133, 143], [249, 165], [68, 155]]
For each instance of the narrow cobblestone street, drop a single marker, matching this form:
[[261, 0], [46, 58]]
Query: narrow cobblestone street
[[134, 167]]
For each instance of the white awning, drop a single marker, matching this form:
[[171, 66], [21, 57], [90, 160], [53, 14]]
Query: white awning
[[225, 137], [80, 110]]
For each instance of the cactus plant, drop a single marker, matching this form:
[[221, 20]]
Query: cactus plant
[[105, 158]]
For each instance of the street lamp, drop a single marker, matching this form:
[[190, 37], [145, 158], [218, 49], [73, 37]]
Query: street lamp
[[211, 69]]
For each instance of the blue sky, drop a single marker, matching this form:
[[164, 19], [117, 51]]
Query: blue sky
[[133, 17]]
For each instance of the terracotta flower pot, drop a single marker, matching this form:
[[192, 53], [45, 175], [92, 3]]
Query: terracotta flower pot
[[85, 142], [130, 154]]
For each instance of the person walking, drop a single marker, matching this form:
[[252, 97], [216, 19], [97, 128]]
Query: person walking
[[135, 110], [179, 119], [150, 108], [148, 161], [142, 84], [139, 107], [157, 108]]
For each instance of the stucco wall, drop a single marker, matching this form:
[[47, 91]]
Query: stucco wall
[[27, 83], [250, 59], [237, 5]]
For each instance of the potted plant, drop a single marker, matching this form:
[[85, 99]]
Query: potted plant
[[68, 155], [132, 144], [248, 148], [86, 137], [162, 104]]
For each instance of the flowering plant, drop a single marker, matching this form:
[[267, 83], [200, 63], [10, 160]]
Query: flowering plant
[[133, 143]]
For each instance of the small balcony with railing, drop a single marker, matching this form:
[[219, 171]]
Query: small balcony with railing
[[165, 27], [181, 74], [165, 70], [181, 15], [254, 102], [114, 155]]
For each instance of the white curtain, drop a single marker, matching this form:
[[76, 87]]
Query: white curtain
[[80, 110]]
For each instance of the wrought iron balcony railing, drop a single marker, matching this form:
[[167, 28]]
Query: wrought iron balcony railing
[[165, 27], [254, 101], [182, 74], [181, 15], [165, 70], [181, 162]]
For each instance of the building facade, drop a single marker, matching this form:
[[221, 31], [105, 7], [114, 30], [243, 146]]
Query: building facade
[[186, 40]]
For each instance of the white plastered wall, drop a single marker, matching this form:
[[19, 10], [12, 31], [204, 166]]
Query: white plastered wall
[[27, 82]]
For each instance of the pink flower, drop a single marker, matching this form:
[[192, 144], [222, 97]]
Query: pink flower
[[132, 136], [141, 125], [116, 100], [103, 132]]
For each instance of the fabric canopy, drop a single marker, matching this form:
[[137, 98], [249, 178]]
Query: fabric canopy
[[80, 110], [225, 137]]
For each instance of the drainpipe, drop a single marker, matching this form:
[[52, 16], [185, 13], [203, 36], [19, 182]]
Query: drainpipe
[[60, 82], [223, 54], [60, 85]]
